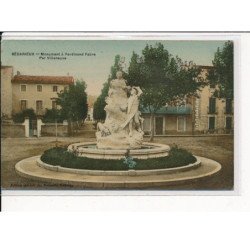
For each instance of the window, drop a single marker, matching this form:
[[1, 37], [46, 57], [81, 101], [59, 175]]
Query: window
[[212, 105], [23, 88], [229, 122], [228, 106], [211, 123], [23, 105], [55, 88], [181, 123], [39, 106], [54, 104], [39, 88]]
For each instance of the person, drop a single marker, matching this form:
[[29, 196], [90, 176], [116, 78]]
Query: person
[[133, 111]]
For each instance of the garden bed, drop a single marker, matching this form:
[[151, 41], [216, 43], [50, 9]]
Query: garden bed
[[61, 157]]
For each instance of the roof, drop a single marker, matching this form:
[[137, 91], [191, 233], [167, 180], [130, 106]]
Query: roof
[[65, 80], [6, 66], [171, 110]]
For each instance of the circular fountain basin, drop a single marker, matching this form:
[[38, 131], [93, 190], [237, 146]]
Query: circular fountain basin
[[147, 151]]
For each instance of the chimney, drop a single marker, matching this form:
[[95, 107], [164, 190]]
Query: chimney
[[18, 73]]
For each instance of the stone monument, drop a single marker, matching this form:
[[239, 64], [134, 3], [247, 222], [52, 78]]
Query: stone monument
[[122, 128]]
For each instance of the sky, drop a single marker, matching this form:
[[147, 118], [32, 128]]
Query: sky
[[93, 66]]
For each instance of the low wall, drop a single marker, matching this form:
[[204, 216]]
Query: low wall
[[12, 130], [49, 129]]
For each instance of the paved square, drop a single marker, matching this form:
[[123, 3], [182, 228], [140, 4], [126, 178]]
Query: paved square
[[219, 148]]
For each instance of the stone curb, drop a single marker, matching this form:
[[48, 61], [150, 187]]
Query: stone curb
[[123, 173], [130, 182]]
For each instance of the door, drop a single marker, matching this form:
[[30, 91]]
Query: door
[[33, 127], [181, 123], [159, 125], [211, 125], [228, 122]]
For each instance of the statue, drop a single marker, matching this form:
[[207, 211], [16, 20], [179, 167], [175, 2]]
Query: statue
[[133, 111], [122, 128]]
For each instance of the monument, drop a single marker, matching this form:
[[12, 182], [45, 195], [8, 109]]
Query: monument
[[122, 128], [121, 133], [120, 137]]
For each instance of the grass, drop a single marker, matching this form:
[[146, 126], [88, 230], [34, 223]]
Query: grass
[[61, 157]]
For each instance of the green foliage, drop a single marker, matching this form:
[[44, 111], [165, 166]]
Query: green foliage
[[52, 115], [98, 111], [116, 67], [19, 117], [61, 157], [162, 77], [73, 102], [223, 72]]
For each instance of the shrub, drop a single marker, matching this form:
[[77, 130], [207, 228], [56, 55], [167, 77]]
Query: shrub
[[51, 115], [61, 157], [19, 117]]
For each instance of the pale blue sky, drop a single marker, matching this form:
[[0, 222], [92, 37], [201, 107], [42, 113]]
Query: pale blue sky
[[95, 69]]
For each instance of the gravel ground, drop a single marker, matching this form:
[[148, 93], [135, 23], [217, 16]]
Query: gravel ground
[[219, 148]]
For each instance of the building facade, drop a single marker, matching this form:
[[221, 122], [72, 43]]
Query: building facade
[[169, 120], [204, 114], [6, 91], [37, 92], [213, 115]]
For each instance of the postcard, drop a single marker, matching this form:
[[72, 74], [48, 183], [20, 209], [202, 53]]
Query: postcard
[[118, 113]]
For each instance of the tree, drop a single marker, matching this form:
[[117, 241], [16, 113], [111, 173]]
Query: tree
[[73, 102], [222, 73], [19, 117], [52, 115], [98, 110], [99, 113], [164, 79]]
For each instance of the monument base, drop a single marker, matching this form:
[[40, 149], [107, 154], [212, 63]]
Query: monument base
[[120, 140], [147, 151]]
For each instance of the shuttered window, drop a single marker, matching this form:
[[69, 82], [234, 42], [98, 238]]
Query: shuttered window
[[39, 106], [23, 104], [228, 106], [212, 105]]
